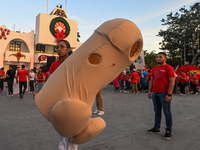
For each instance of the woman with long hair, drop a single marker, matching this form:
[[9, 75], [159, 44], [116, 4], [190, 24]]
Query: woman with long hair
[[40, 78]]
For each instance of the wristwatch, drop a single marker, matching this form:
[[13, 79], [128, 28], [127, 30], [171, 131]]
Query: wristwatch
[[169, 95]]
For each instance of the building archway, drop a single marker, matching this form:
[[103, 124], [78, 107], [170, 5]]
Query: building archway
[[17, 45]]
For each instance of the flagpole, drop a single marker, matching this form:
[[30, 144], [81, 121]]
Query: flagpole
[[47, 6], [66, 5]]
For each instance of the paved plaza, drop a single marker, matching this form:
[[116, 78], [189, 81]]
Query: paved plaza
[[127, 116]]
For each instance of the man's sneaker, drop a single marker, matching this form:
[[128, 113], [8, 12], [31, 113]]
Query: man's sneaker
[[9, 95], [167, 135], [96, 112], [182, 94], [153, 130], [30, 92], [101, 113], [12, 95]]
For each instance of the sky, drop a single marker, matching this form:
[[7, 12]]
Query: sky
[[20, 15]]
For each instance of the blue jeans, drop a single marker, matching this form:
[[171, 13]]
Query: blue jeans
[[158, 103], [40, 85], [128, 85]]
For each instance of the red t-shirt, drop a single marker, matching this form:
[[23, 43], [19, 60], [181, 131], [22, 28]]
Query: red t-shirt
[[22, 73], [183, 76], [121, 77], [54, 66], [194, 80], [40, 76], [2, 73], [47, 75], [149, 76], [187, 77], [161, 75], [198, 75], [126, 78], [134, 77]]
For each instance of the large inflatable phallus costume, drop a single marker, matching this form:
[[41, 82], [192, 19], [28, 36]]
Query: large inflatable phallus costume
[[68, 95]]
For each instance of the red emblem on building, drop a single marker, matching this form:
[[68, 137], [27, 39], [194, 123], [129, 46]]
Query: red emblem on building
[[3, 33]]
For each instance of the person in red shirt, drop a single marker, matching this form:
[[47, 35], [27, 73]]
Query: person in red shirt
[[121, 82], [128, 81], [40, 78], [162, 82], [187, 82], [134, 79], [194, 80], [176, 83], [182, 79], [22, 79], [64, 50], [2, 77]]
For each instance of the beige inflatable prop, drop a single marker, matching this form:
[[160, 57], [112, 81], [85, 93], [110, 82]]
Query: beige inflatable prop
[[68, 96]]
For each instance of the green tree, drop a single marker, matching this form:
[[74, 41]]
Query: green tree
[[150, 58], [78, 36], [178, 38]]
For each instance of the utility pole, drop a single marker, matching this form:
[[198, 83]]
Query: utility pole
[[47, 6]]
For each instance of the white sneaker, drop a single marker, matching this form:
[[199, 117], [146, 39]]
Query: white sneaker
[[9, 95], [182, 94], [12, 95], [101, 113], [96, 112], [29, 92]]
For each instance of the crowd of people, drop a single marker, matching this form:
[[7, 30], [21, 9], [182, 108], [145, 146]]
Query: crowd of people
[[138, 81], [187, 83], [24, 78], [160, 83], [135, 81]]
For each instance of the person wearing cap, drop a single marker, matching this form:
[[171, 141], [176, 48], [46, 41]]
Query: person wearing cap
[[162, 84]]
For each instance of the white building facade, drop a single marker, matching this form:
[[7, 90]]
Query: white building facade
[[32, 49]]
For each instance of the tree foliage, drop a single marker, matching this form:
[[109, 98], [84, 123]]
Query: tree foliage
[[180, 33], [78, 36], [150, 59]]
